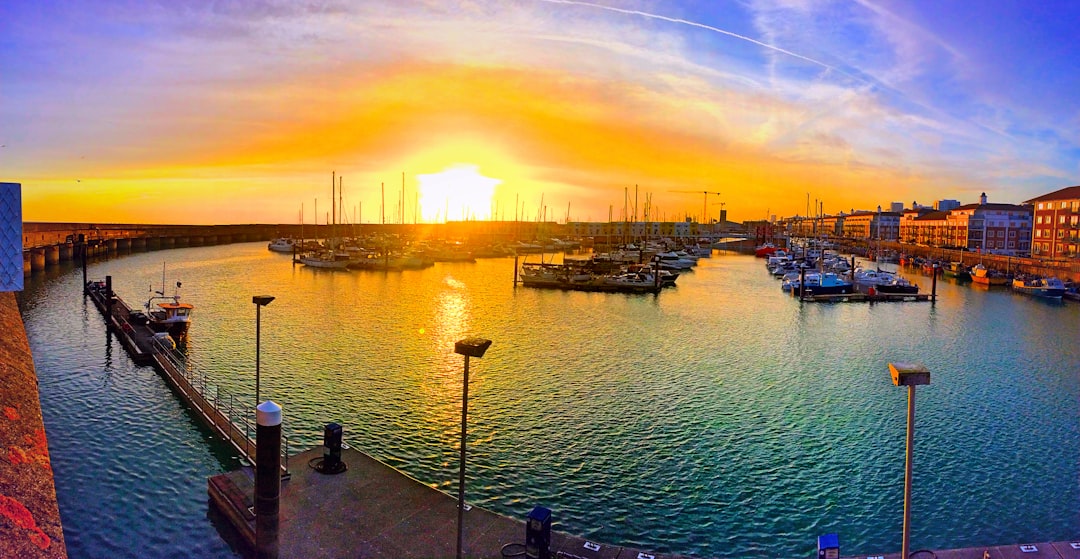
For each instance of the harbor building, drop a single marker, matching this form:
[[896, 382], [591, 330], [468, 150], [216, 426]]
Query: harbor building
[[1057, 224]]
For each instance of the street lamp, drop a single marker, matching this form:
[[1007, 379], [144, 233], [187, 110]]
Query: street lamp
[[260, 302], [469, 347], [909, 375]]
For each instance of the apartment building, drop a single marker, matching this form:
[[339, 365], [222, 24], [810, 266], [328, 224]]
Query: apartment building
[[1056, 224]]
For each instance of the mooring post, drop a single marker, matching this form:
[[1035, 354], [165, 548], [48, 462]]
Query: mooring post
[[82, 256], [802, 283], [108, 294], [267, 478], [933, 285], [515, 268]]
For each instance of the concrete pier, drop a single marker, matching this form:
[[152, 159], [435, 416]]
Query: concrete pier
[[374, 511], [67, 252], [52, 255], [37, 260]]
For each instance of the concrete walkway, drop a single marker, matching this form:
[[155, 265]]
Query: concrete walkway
[[375, 511]]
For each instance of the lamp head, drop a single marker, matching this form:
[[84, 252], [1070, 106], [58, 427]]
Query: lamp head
[[472, 347], [909, 374], [262, 300]]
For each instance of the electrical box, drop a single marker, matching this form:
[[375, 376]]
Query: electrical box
[[909, 374], [538, 534], [828, 546]]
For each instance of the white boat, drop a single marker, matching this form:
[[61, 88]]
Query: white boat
[[672, 260], [325, 260], [282, 244]]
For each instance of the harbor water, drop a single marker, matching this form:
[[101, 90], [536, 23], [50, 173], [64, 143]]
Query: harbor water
[[720, 418]]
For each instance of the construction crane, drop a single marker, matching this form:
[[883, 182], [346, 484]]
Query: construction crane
[[704, 205]]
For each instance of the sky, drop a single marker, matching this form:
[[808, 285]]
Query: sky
[[243, 111]]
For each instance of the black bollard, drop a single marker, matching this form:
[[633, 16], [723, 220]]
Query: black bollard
[[933, 286], [108, 294], [82, 256], [802, 282], [267, 478]]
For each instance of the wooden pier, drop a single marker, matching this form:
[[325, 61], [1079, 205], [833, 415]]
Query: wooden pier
[[221, 412]]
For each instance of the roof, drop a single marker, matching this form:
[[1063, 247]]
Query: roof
[[176, 305], [1067, 193], [932, 216], [1012, 207]]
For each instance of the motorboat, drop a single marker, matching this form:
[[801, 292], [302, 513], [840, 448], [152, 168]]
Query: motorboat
[[283, 244], [1047, 288]]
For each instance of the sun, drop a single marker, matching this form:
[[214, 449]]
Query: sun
[[457, 193]]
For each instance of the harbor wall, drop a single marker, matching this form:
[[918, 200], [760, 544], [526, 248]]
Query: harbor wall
[[29, 515]]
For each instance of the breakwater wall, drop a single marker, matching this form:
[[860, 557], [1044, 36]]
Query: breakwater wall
[[29, 515]]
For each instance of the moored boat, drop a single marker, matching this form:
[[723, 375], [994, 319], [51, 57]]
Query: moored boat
[[986, 276], [282, 244], [765, 250], [956, 270], [1047, 288]]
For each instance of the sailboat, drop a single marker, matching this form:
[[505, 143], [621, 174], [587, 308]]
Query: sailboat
[[329, 258]]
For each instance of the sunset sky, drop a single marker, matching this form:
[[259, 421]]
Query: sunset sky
[[240, 111]]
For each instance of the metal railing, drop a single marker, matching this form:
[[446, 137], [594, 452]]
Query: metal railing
[[221, 410]]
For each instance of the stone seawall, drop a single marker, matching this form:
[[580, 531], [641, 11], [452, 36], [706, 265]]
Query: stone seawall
[[29, 515]]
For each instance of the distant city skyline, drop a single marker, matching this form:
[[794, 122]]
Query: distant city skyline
[[242, 112]]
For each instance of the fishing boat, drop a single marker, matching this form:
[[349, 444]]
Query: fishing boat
[[1046, 288], [986, 276], [957, 270]]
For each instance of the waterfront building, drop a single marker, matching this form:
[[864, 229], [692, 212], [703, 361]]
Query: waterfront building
[[872, 225], [994, 228], [1056, 224]]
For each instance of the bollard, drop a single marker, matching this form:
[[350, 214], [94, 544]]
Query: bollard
[[933, 285], [267, 478]]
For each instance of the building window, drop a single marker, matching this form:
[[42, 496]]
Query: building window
[[1061, 219], [1040, 205], [1038, 233], [1038, 219], [1063, 205]]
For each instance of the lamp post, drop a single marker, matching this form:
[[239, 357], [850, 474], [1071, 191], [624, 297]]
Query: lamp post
[[469, 347], [260, 302], [909, 375]]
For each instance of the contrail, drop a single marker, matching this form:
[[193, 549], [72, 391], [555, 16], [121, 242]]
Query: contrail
[[708, 28]]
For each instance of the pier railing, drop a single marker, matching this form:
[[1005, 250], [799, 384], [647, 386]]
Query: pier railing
[[221, 410]]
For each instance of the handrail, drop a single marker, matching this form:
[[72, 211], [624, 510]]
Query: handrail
[[234, 422]]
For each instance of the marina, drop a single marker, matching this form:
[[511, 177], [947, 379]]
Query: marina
[[755, 430]]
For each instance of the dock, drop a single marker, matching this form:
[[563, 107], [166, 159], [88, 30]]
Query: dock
[[377, 512], [221, 412], [864, 297]]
